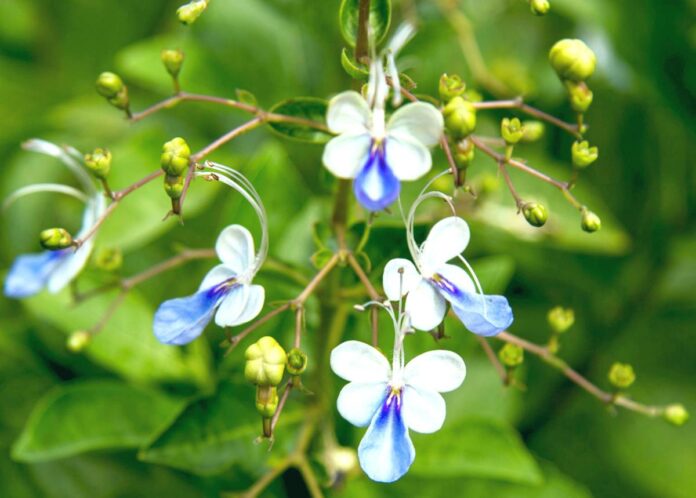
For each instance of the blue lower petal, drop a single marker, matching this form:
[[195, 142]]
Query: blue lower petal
[[485, 320], [179, 321], [386, 451], [30, 272], [376, 187]]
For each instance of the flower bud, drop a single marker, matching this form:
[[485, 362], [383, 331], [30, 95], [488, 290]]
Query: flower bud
[[78, 341], [55, 239], [266, 400], [463, 153], [572, 60], [511, 130], [108, 259], [676, 414], [590, 222], [343, 459], [174, 186], [188, 13], [621, 375], [265, 362], [460, 117], [175, 156], [511, 355], [539, 7], [583, 154], [109, 85], [580, 95], [560, 319], [297, 361], [99, 162], [451, 87], [533, 131], [535, 214], [172, 60]]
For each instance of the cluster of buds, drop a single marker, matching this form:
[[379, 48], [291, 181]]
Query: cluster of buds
[[560, 319], [174, 160], [621, 375], [265, 365], [189, 12], [111, 86], [574, 62], [55, 239], [583, 154], [539, 7], [98, 163], [535, 214], [460, 120]]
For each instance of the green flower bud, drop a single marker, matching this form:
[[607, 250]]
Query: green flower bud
[[460, 118], [535, 214], [451, 87], [174, 186], [109, 85], [266, 400], [511, 355], [539, 7], [560, 319], [108, 259], [621, 375], [78, 341], [511, 130], [265, 362], [533, 131], [583, 154], [297, 361], [463, 153], [55, 239], [99, 162], [175, 156], [580, 95], [590, 222], [188, 13], [572, 60], [172, 60], [676, 414]]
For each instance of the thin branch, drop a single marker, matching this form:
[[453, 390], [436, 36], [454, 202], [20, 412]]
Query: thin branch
[[502, 372], [362, 276], [519, 104], [304, 295], [232, 341]]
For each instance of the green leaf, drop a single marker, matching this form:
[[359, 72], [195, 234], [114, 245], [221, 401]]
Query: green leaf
[[475, 447], [309, 108], [92, 415], [354, 69], [246, 97], [214, 433], [494, 273], [379, 19]]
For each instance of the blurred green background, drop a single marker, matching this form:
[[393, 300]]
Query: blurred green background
[[115, 427]]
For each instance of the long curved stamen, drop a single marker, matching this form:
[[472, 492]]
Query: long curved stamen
[[69, 156], [476, 282], [44, 187]]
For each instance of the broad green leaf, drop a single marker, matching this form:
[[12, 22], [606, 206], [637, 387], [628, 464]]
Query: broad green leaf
[[307, 108], [92, 415], [353, 68], [214, 433], [126, 344], [379, 19]]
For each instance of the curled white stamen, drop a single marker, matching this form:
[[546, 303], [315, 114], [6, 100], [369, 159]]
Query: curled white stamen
[[44, 187], [69, 156]]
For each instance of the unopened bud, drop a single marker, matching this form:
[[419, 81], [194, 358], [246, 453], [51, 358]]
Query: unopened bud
[[174, 186], [78, 341], [583, 154], [560, 319], [55, 239], [463, 153], [676, 414], [451, 87], [188, 13], [172, 60], [343, 459], [99, 162], [265, 362], [108, 259], [533, 131], [175, 156], [511, 355], [590, 222], [535, 214], [580, 95], [460, 118], [572, 60], [297, 361], [539, 7], [621, 375], [109, 85], [266, 400], [511, 130]]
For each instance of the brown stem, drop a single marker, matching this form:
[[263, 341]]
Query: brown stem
[[230, 135], [502, 372], [232, 341], [362, 276], [361, 43], [518, 103]]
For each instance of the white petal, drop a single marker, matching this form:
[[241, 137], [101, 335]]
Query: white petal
[[418, 120], [423, 410], [235, 248], [447, 239], [408, 158], [348, 112], [345, 154], [75, 165], [356, 361], [216, 275], [425, 306], [232, 306], [254, 305], [399, 278], [358, 401], [458, 277], [439, 370]]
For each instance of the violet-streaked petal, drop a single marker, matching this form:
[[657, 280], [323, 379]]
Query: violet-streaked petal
[[356, 361], [376, 187], [358, 401], [399, 278], [179, 321], [217, 275], [30, 273], [488, 320], [422, 410]]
